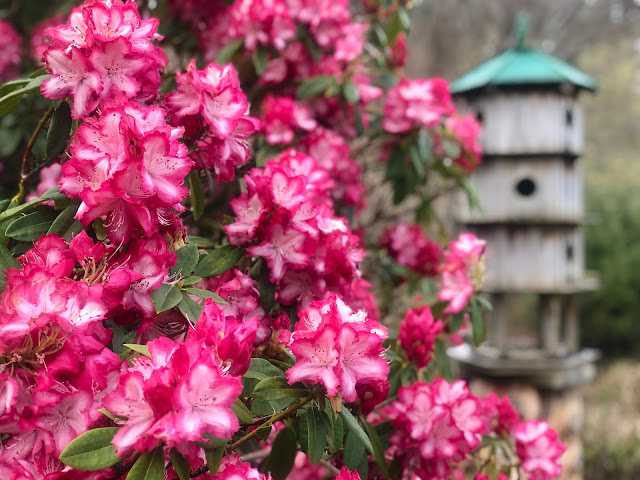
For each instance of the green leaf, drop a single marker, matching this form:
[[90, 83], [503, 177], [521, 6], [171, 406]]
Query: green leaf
[[484, 302], [142, 349], [260, 60], [425, 146], [212, 442], [378, 449], [283, 454], [200, 241], [166, 297], [335, 439], [314, 428], [110, 415], [214, 459], [187, 260], [31, 226], [65, 225], [190, 280], [58, 133], [357, 113], [315, 86], [219, 261], [226, 53], [54, 194], [196, 194], [442, 359], [275, 388], [394, 27], [355, 428], [15, 211], [11, 99], [455, 322], [202, 293], [92, 450], [261, 369], [350, 92], [6, 261], [451, 149], [477, 324], [353, 451], [189, 308], [180, 464], [242, 412], [150, 466]]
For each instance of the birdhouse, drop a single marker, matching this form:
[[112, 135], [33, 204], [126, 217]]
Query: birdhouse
[[530, 187]]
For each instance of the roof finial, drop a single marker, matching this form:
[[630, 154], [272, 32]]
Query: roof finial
[[522, 29]]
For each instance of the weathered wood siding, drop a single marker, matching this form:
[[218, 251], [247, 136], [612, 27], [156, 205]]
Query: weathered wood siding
[[528, 123], [557, 194], [532, 259]]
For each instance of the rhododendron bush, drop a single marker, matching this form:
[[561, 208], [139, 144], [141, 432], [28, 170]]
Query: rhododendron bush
[[189, 287]]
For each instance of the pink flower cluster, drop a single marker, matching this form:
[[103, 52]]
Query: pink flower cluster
[[281, 117], [127, 164], [286, 218], [466, 131], [346, 474], [462, 269], [55, 364], [11, 57], [539, 450], [436, 426], [416, 103], [410, 247], [418, 334], [174, 397], [332, 153], [213, 109], [104, 52], [339, 349], [232, 468]]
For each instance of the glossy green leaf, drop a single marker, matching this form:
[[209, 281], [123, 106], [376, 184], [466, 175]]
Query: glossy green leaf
[[31, 226], [275, 388], [92, 450], [189, 308], [187, 259], [58, 133], [17, 210], [337, 435], [166, 297], [283, 454], [260, 369], [202, 293], [141, 349], [314, 428], [214, 459], [150, 466], [354, 451], [180, 464], [227, 52], [11, 99], [196, 194], [378, 450], [219, 261], [65, 225], [350, 92], [190, 280], [242, 412], [315, 86], [260, 60], [6, 261], [355, 428]]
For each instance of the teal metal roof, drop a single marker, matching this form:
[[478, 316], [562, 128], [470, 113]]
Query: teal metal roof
[[522, 66]]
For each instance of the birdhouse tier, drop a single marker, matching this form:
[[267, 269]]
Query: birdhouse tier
[[541, 190], [542, 259], [517, 122], [523, 67]]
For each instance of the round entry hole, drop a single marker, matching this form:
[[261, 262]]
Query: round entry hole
[[526, 187]]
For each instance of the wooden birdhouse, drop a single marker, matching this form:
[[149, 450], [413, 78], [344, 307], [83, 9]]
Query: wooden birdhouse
[[530, 187]]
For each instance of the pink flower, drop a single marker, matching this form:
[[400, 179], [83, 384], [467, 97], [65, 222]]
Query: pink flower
[[346, 474], [418, 333], [281, 117], [416, 103], [466, 130], [539, 450], [11, 57], [337, 348], [410, 247], [456, 289]]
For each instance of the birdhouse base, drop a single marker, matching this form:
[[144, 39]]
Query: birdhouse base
[[530, 365]]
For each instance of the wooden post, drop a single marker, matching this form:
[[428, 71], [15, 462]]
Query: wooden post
[[497, 328], [572, 325], [550, 324]]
